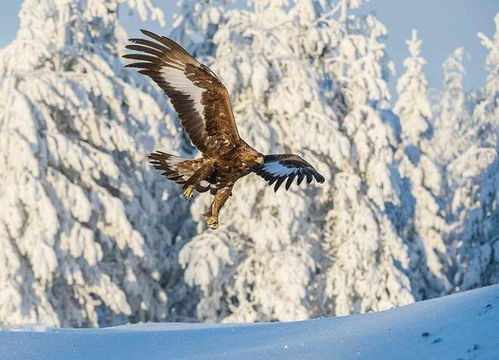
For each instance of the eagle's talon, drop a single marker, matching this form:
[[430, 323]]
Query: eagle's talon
[[187, 192], [212, 222]]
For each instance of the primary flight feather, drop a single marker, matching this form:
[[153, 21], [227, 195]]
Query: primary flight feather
[[203, 106]]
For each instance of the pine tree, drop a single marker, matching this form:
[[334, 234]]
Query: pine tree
[[422, 177], [486, 113], [413, 106], [449, 144], [83, 225], [196, 23], [452, 119], [369, 260], [476, 175], [318, 89], [272, 89]]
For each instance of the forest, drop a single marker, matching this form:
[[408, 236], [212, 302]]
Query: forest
[[91, 235]]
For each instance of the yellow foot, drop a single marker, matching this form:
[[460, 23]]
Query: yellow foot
[[187, 192], [212, 222]]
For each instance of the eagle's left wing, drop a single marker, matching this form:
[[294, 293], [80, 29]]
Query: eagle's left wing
[[199, 97], [277, 168]]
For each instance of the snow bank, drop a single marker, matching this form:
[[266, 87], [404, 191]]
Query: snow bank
[[461, 326]]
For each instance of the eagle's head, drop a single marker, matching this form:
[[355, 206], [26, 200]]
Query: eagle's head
[[255, 158]]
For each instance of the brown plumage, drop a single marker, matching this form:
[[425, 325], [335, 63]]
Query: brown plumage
[[205, 112]]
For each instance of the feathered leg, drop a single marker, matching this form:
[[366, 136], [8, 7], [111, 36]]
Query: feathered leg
[[196, 178], [220, 198]]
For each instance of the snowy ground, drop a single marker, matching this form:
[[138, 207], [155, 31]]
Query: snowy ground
[[462, 326]]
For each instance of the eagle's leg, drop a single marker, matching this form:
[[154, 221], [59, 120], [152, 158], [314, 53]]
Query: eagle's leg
[[198, 176], [220, 198]]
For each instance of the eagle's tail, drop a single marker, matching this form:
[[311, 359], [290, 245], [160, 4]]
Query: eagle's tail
[[175, 168]]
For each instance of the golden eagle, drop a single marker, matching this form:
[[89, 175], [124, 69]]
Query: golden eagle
[[203, 106]]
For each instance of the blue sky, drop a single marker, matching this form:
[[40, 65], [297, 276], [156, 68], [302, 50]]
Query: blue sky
[[443, 26]]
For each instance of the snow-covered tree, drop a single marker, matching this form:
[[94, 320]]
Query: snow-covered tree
[[83, 225], [196, 23], [91, 236], [369, 261], [451, 144], [275, 97], [413, 106], [422, 177], [303, 78], [486, 112], [476, 180], [452, 120], [479, 236]]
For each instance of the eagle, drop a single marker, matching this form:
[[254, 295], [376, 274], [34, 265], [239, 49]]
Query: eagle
[[203, 106]]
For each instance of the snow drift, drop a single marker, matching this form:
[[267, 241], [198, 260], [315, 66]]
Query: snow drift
[[460, 326]]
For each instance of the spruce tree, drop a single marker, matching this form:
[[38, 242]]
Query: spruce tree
[[84, 222], [318, 89], [423, 178]]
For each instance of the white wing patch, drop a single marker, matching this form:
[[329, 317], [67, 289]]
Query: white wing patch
[[177, 79], [276, 169]]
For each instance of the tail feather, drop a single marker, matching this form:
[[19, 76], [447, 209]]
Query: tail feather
[[169, 164], [175, 168]]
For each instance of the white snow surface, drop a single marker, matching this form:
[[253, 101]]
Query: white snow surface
[[460, 326]]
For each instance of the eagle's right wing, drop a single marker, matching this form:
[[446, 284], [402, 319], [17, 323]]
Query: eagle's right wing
[[200, 99], [277, 168]]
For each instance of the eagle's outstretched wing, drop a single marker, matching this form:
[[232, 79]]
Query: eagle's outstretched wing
[[277, 168], [200, 99]]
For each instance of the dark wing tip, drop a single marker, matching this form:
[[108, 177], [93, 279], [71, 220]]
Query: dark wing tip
[[140, 65], [279, 183], [319, 177], [129, 56], [309, 177], [290, 180], [148, 33], [301, 176]]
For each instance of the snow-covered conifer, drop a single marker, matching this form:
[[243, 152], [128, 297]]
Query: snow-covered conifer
[[301, 81], [422, 177], [413, 106], [278, 108], [486, 112], [195, 24], [369, 261], [83, 227], [476, 181], [452, 119]]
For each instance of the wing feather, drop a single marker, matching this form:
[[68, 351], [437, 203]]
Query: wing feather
[[198, 96], [301, 176], [279, 183], [277, 168], [290, 180]]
